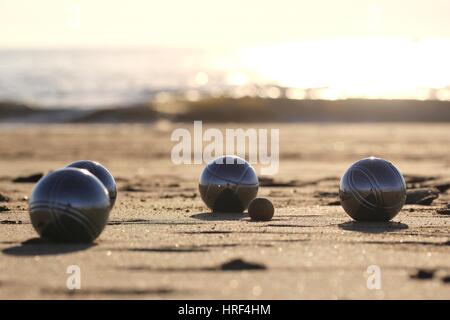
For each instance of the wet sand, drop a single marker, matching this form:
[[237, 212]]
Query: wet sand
[[161, 242]]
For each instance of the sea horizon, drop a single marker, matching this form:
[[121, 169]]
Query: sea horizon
[[91, 78]]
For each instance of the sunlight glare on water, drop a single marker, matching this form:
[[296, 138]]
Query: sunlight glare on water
[[355, 68], [320, 69]]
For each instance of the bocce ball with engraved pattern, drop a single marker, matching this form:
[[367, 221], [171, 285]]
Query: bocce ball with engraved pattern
[[372, 189], [228, 184], [101, 173], [69, 205]]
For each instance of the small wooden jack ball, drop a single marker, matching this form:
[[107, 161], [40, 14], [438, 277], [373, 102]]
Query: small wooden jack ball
[[261, 209]]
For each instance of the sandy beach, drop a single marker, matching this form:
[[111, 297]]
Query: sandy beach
[[156, 90], [162, 243]]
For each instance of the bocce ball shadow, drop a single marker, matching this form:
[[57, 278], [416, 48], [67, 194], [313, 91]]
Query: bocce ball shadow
[[372, 227], [42, 247], [116, 292], [219, 216]]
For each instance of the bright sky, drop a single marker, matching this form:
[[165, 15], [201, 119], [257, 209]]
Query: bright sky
[[86, 23]]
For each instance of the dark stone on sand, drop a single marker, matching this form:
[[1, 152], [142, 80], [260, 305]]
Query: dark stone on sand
[[188, 195], [173, 185], [29, 179], [445, 210], [10, 222], [446, 279], [3, 208], [421, 196], [130, 188], [239, 265], [443, 187], [331, 197], [410, 179], [423, 274], [3, 198], [326, 194], [334, 203], [270, 182]]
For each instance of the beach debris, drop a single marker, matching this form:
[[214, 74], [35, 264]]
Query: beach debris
[[11, 222], [3, 208], [3, 198], [444, 210], [423, 274], [334, 203], [261, 209], [411, 179], [442, 187], [424, 182], [446, 279], [239, 265], [421, 196], [192, 195], [271, 182], [29, 179], [130, 188], [173, 185], [326, 194], [331, 197]]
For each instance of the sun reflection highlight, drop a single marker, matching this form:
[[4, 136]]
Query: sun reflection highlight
[[352, 68]]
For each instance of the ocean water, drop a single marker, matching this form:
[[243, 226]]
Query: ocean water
[[101, 78], [329, 69]]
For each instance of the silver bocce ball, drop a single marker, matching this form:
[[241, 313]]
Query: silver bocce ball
[[372, 189], [228, 184], [69, 205], [101, 173]]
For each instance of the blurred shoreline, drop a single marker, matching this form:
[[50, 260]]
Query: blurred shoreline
[[245, 109]]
